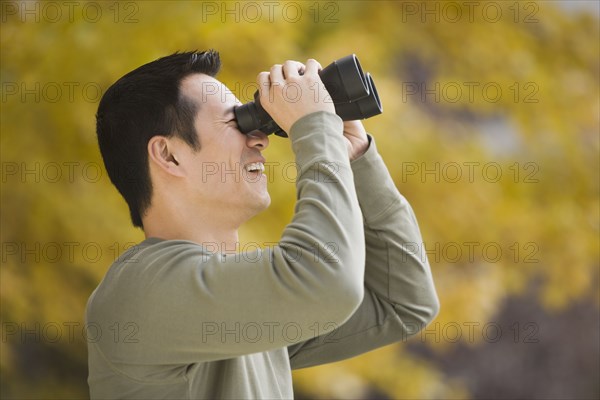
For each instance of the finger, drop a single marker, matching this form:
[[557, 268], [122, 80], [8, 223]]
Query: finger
[[292, 69], [312, 66], [263, 82], [276, 75]]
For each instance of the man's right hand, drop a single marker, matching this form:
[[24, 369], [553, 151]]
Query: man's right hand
[[292, 90]]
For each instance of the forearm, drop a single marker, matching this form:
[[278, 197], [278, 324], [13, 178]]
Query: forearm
[[397, 269], [327, 225]]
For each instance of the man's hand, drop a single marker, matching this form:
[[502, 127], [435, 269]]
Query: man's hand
[[288, 96], [356, 139], [292, 90]]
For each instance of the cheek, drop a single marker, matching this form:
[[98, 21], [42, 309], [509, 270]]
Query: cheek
[[219, 175], [221, 156], [235, 150]]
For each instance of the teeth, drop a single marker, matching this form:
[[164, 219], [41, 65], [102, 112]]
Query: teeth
[[257, 166]]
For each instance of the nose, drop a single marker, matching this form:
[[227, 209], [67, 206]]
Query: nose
[[257, 139]]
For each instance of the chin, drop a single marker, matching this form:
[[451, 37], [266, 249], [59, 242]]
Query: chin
[[264, 202], [256, 203]]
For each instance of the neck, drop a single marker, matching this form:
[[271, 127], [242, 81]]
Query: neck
[[217, 233]]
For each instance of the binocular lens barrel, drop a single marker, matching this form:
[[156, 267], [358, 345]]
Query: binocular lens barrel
[[365, 107], [345, 80], [353, 93]]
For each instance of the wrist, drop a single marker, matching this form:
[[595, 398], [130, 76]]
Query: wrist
[[360, 148]]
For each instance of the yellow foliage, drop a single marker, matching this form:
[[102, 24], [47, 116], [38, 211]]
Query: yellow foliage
[[540, 132]]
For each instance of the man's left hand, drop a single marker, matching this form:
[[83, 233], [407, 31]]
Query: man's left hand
[[356, 138]]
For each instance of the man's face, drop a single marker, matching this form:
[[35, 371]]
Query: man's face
[[226, 173]]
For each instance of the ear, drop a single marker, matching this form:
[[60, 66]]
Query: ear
[[161, 154]]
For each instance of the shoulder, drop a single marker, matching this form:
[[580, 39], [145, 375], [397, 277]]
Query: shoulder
[[146, 270]]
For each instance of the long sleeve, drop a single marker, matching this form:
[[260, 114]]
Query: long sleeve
[[189, 305], [400, 297]]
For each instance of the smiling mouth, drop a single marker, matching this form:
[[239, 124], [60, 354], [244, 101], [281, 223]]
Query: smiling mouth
[[255, 167]]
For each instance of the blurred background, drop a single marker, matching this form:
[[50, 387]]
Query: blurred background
[[490, 129]]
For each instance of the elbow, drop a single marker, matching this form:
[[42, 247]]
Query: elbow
[[346, 295], [430, 303], [353, 294], [426, 310], [346, 284], [431, 309], [332, 280], [348, 303], [419, 313], [426, 304]]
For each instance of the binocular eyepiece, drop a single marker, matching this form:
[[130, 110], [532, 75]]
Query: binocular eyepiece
[[353, 94]]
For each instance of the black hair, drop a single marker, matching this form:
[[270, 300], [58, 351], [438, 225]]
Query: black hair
[[144, 103]]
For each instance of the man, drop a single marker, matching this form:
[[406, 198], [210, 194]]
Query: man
[[197, 320]]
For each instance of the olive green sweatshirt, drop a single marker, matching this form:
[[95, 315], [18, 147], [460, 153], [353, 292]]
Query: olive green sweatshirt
[[173, 320]]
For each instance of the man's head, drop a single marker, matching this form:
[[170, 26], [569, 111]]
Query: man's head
[[168, 126]]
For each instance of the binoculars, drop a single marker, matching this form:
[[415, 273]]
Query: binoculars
[[353, 94]]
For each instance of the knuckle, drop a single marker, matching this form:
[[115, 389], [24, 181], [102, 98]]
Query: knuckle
[[312, 61]]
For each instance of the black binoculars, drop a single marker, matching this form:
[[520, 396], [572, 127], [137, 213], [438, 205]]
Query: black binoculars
[[353, 94]]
